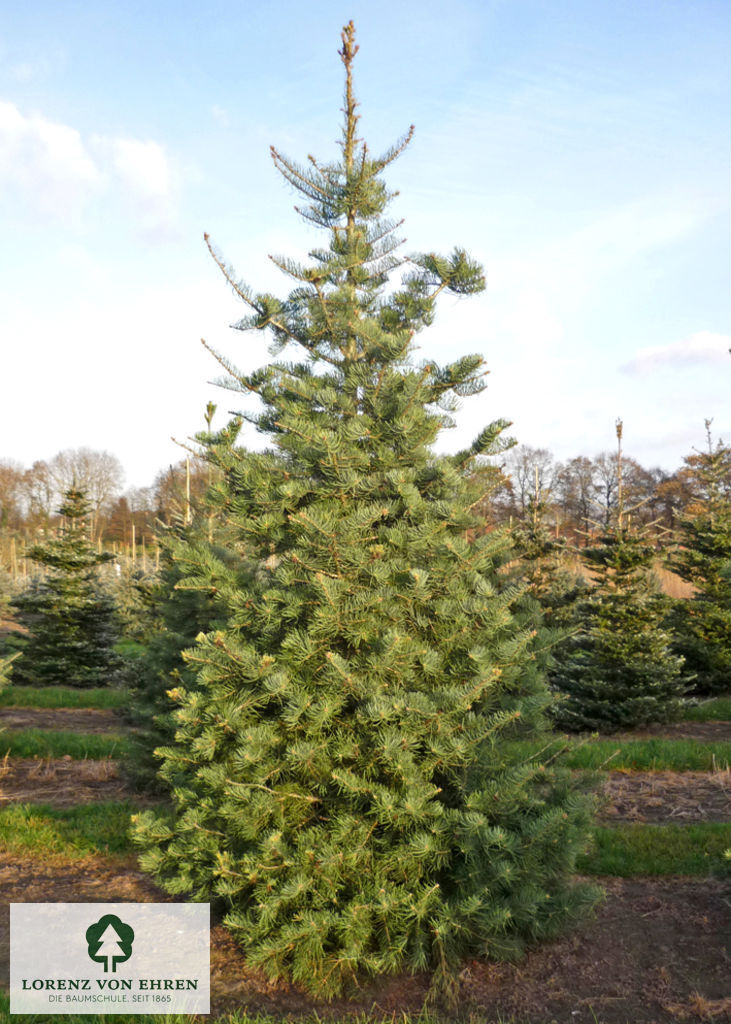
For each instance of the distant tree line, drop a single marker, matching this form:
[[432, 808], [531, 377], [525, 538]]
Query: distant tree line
[[31, 497], [578, 496]]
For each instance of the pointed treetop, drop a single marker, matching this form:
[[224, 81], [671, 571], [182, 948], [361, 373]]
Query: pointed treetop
[[347, 55]]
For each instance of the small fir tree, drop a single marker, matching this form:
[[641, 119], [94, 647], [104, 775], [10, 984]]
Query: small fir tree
[[545, 565], [69, 617], [344, 771], [703, 557], [617, 669]]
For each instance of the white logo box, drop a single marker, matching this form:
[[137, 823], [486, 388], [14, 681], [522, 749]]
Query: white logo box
[[102, 958]]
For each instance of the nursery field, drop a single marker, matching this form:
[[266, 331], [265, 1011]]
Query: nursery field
[[653, 952]]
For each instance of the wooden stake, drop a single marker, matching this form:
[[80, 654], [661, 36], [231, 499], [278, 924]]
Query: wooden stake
[[620, 495]]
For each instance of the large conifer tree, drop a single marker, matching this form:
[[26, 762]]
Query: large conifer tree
[[344, 773], [70, 618]]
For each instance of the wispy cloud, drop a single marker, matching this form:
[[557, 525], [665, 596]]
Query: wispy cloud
[[220, 116], [44, 161], [701, 348], [49, 167], [144, 178]]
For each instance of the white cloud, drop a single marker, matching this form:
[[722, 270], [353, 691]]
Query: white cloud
[[144, 177], [44, 161], [143, 166], [49, 168], [701, 348]]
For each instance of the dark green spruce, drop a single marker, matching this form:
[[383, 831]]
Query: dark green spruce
[[69, 616], [344, 772], [703, 557], [617, 669]]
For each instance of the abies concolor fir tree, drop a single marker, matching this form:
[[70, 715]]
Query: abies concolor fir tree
[[344, 773]]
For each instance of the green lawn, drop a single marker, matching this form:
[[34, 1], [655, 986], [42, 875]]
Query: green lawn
[[631, 850], [72, 833], [622, 850], [61, 697], [129, 648], [240, 1017], [640, 755], [716, 710], [48, 743], [652, 755]]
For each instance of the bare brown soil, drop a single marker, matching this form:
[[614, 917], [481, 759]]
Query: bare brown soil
[[653, 953], [665, 797], [708, 732], [683, 797], [62, 782], [90, 720]]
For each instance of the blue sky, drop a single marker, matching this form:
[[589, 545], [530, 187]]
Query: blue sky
[[580, 150]]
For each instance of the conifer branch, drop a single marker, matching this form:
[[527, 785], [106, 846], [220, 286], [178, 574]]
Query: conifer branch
[[295, 176], [237, 286], [229, 367]]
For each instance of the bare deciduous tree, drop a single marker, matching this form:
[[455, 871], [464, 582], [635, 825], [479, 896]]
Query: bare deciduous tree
[[98, 474], [11, 494], [530, 468]]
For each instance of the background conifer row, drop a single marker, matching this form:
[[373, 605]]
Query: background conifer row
[[69, 617]]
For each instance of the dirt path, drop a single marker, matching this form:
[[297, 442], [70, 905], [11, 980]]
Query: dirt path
[[655, 797], [67, 719], [666, 797], [707, 732], [63, 782], [653, 946], [654, 953]]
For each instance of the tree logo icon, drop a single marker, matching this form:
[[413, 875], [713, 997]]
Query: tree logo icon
[[110, 942]]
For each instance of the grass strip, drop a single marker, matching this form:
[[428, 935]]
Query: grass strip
[[652, 755], [130, 648], [181, 1018], [72, 832], [237, 1017], [637, 755], [61, 697], [626, 851], [48, 743], [716, 710]]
